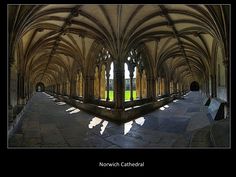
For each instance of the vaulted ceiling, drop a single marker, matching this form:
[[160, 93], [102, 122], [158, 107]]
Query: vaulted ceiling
[[50, 39]]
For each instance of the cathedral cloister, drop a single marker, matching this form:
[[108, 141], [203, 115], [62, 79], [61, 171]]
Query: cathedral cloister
[[119, 76]]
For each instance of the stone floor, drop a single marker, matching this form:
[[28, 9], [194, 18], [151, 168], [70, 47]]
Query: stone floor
[[50, 124]]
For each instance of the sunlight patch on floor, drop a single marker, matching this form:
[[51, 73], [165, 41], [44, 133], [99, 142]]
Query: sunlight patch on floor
[[166, 106], [162, 108], [140, 121], [60, 103], [71, 109], [46, 94], [104, 124], [75, 111], [127, 127], [95, 121]]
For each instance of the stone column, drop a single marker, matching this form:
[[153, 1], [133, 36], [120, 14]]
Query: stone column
[[131, 75], [137, 84], [81, 85], [213, 86], [151, 87], [21, 100], [108, 76], [167, 88], [58, 89], [99, 84], [78, 84], [141, 85], [157, 87], [87, 91], [119, 84], [102, 83], [144, 84], [73, 88]]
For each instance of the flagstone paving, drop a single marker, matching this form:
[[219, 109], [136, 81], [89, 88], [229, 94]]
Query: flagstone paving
[[50, 124]]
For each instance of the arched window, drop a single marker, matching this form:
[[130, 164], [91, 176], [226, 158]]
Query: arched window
[[103, 78], [133, 75]]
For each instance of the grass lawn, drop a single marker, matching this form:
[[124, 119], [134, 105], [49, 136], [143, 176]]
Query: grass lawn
[[127, 95]]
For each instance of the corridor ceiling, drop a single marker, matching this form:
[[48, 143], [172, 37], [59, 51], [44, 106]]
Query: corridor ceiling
[[49, 39]]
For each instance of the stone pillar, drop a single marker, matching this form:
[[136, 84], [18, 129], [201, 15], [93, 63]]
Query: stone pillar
[[108, 76], [131, 75], [73, 88], [144, 84], [78, 84], [141, 85], [99, 84], [137, 84], [163, 86], [119, 84], [102, 83], [213, 86], [22, 99], [167, 88], [157, 83], [96, 84], [87, 91], [81, 85], [58, 89], [151, 87]]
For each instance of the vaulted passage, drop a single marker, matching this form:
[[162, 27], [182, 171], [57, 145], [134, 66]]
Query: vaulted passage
[[160, 72]]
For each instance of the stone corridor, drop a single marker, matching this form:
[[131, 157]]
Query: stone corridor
[[48, 123]]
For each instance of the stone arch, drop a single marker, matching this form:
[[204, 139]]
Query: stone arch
[[39, 87], [194, 86]]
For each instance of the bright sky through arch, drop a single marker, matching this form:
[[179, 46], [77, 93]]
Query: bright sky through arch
[[126, 71]]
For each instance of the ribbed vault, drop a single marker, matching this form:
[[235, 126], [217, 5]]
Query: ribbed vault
[[49, 39]]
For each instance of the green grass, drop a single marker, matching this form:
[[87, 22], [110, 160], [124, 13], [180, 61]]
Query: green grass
[[127, 95]]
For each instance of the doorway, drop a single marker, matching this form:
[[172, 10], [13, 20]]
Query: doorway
[[40, 87], [194, 86]]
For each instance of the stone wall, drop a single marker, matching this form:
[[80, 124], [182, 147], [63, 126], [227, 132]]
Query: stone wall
[[222, 93], [13, 86]]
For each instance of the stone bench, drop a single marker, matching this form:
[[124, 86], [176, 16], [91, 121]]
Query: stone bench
[[216, 109]]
